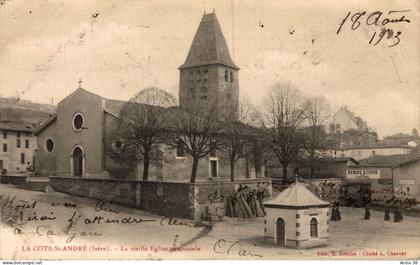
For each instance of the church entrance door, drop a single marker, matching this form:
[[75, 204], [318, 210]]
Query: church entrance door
[[78, 162]]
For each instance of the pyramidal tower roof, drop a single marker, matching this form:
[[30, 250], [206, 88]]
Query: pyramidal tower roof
[[296, 196], [209, 45]]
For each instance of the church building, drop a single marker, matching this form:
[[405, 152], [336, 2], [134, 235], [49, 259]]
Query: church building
[[75, 143]]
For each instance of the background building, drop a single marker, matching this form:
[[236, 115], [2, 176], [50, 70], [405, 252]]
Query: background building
[[344, 120], [398, 175], [362, 152], [17, 145], [18, 119], [403, 138]]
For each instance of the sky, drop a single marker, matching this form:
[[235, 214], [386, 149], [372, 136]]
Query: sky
[[119, 47]]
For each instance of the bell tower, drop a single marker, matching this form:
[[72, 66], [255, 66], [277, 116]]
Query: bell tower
[[209, 75]]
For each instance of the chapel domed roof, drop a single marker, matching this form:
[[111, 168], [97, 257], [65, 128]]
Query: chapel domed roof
[[296, 196]]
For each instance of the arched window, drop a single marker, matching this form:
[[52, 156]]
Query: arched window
[[231, 77], [206, 75], [314, 227], [191, 77], [203, 91], [198, 75], [226, 75], [192, 93]]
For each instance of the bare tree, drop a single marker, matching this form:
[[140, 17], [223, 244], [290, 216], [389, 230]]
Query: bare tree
[[194, 129], [284, 118], [317, 114], [140, 125], [237, 132]]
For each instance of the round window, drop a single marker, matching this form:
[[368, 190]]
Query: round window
[[49, 145], [117, 146], [78, 121]]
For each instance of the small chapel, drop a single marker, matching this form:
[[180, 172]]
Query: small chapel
[[297, 218]]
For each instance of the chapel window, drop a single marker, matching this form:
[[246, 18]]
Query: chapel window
[[314, 227]]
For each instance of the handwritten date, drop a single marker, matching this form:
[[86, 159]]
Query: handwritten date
[[378, 19]]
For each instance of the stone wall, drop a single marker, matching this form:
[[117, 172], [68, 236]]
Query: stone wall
[[197, 201], [167, 198], [119, 191]]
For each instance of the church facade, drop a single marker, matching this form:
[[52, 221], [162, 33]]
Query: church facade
[[75, 142]]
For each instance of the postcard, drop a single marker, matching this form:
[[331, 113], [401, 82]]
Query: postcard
[[209, 130]]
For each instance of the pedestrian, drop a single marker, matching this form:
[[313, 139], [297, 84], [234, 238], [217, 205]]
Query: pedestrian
[[397, 216], [332, 212], [367, 212], [338, 211], [387, 217], [335, 213]]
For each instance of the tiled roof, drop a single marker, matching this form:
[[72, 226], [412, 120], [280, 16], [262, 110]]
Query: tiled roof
[[16, 126], [338, 159], [209, 45], [44, 125], [413, 157], [125, 109], [297, 195], [399, 135], [389, 160], [376, 146]]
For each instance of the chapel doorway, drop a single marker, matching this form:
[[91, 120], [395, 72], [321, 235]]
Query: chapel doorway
[[280, 231]]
